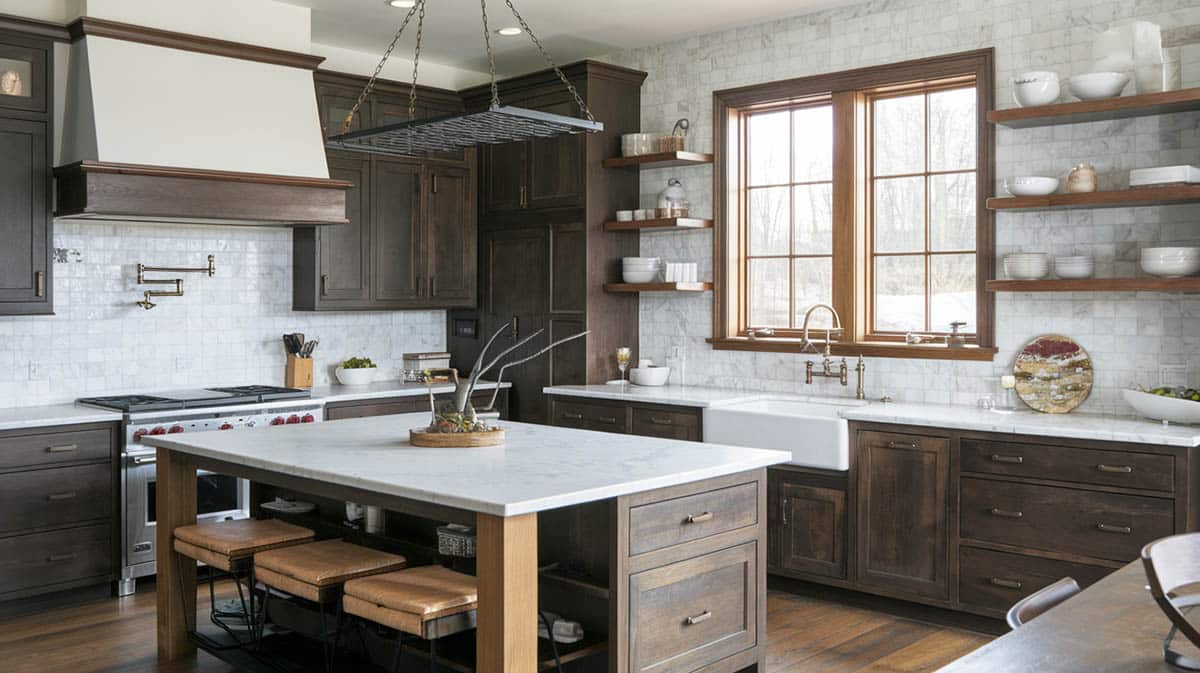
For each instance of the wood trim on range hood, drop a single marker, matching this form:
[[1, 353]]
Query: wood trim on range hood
[[86, 25], [95, 190]]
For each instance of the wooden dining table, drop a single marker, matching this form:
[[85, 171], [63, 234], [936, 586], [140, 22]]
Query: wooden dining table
[[1112, 626]]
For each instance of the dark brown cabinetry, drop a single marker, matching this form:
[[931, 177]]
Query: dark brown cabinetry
[[406, 404], [25, 145], [544, 254], [807, 521], [646, 420], [410, 240], [59, 493]]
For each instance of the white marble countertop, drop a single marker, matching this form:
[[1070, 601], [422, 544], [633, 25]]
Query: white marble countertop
[[16, 418], [380, 389], [538, 468]]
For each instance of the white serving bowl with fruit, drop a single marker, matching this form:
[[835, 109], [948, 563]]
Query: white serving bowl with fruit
[[355, 372], [1173, 405]]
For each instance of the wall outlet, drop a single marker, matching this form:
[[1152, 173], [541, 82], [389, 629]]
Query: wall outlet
[[36, 371], [1174, 376]]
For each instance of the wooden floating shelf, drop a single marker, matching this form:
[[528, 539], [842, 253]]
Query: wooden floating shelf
[[1123, 198], [660, 224], [1190, 284], [1141, 105], [659, 160], [657, 287]]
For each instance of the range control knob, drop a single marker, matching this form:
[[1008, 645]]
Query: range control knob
[[175, 429], [293, 419], [308, 418], [139, 433], [226, 426], [278, 420], [158, 430]]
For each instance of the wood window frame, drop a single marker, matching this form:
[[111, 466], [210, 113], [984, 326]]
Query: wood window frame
[[850, 284]]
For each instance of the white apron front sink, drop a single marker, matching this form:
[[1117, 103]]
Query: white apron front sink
[[811, 431]]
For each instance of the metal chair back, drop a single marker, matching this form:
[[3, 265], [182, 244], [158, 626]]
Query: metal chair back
[[1040, 601], [1173, 572]]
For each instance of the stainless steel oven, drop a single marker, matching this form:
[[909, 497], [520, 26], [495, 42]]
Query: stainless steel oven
[[218, 497]]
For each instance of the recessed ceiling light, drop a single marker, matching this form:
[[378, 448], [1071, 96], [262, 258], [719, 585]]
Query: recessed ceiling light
[[402, 4], [509, 31]]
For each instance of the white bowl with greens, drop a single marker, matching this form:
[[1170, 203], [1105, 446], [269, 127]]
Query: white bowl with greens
[[1175, 405], [355, 372]]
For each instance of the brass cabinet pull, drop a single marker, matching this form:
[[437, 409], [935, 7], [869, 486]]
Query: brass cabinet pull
[[784, 509], [1120, 530], [1115, 469], [903, 445], [1012, 460], [573, 417], [418, 284], [435, 183], [516, 328], [433, 286], [324, 284], [1007, 584], [661, 421], [57, 558], [696, 619], [62, 448], [607, 419], [1006, 514], [699, 518], [66, 495], [524, 202], [39, 283]]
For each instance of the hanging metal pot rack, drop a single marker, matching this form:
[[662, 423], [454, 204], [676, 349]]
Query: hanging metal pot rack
[[498, 124]]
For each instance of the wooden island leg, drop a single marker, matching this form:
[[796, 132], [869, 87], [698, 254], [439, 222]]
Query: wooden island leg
[[506, 632], [175, 503]]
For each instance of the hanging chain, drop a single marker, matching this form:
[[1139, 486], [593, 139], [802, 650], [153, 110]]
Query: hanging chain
[[379, 68], [487, 41], [537, 43], [412, 92]]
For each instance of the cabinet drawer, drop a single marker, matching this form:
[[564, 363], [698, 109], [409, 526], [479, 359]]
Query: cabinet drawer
[[1085, 466], [55, 497], [690, 614], [47, 559], [588, 415], [1102, 525], [902, 441], [995, 580], [691, 517], [670, 424], [48, 448]]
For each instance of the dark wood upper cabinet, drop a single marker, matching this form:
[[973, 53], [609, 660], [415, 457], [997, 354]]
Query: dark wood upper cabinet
[[450, 202], [555, 166], [503, 169], [25, 145], [903, 531], [399, 246], [342, 252]]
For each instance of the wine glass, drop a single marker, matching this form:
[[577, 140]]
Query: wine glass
[[623, 355]]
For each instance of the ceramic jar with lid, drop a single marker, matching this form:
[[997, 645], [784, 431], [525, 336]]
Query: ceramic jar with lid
[[1082, 179], [672, 201]]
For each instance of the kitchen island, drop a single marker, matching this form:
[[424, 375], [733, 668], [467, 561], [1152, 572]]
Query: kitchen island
[[670, 525]]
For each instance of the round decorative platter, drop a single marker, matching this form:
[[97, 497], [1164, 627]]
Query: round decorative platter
[[1054, 374], [455, 440]]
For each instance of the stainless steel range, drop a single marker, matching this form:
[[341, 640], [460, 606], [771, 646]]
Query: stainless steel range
[[219, 497]]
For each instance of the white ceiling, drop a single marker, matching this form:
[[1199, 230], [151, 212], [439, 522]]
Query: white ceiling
[[570, 29]]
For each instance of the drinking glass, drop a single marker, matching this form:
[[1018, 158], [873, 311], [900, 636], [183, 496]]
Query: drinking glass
[[623, 355]]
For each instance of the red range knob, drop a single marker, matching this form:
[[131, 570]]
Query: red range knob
[[293, 419], [278, 420], [175, 429], [158, 430], [308, 418], [139, 433], [226, 426]]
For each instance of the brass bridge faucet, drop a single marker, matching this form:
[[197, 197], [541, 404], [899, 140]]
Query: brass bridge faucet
[[827, 371]]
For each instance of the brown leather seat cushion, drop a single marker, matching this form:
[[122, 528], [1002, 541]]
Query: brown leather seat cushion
[[240, 538], [426, 590], [325, 563]]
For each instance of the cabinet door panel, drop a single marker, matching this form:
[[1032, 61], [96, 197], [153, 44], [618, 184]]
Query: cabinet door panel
[[516, 278], [556, 166], [903, 527], [450, 217], [345, 268], [24, 221], [503, 169], [568, 267], [812, 529], [25, 81], [334, 103], [399, 273]]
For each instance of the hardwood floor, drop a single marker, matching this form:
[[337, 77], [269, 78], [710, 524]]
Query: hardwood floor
[[804, 635]]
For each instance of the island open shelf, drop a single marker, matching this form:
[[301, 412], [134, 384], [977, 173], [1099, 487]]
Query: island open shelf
[[1190, 284], [1165, 195], [1123, 107]]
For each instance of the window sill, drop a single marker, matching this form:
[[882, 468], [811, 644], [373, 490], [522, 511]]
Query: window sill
[[869, 349]]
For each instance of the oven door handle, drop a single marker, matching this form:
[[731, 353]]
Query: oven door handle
[[145, 460]]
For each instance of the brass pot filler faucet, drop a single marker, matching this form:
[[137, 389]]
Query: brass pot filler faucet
[[146, 302]]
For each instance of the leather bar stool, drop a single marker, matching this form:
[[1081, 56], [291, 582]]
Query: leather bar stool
[[428, 602], [317, 571], [230, 546]]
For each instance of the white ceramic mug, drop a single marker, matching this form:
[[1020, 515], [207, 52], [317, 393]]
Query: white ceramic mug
[[624, 215]]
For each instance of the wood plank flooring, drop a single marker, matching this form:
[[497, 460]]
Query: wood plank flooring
[[804, 635]]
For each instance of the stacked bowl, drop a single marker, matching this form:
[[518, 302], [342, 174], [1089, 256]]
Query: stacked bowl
[[1170, 262], [1027, 265], [1036, 88], [1079, 266], [640, 269]]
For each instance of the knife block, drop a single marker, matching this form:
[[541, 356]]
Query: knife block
[[298, 373]]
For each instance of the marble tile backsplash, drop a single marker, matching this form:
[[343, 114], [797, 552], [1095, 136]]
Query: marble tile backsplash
[[1130, 336], [224, 330]]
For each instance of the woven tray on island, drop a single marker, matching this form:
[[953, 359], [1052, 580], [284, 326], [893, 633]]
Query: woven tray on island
[[455, 440]]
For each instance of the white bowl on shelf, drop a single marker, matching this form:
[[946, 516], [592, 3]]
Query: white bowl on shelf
[[1036, 88], [649, 376], [637, 277], [1030, 185], [355, 377], [1080, 266], [1027, 266], [1098, 85], [1173, 262], [1162, 408]]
